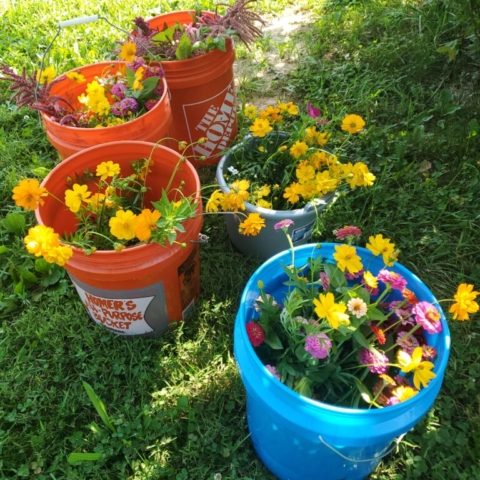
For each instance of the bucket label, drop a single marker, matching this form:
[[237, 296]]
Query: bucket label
[[130, 312], [303, 233], [214, 119]]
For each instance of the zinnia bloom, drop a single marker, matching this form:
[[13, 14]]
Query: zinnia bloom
[[465, 302], [283, 224], [75, 197], [391, 278], [422, 371], [252, 225], [260, 128], [376, 361], [381, 246], [428, 316], [353, 123], [255, 333], [273, 371], [345, 232], [407, 342], [325, 281], [107, 169], [357, 307], [347, 258], [325, 307], [144, 223], [27, 194], [122, 225], [318, 346]]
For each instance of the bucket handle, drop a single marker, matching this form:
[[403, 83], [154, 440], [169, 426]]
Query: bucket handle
[[395, 442]]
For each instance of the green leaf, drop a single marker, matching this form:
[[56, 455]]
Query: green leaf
[[359, 337], [74, 458], [41, 172], [3, 249], [18, 289], [166, 35], [273, 341], [375, 314], [450, 48], [14, 223], [99, 407], [185, 47], [336, 276], [27, 275]]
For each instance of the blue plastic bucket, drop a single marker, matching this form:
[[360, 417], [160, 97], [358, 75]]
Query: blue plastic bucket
[[298, 438]]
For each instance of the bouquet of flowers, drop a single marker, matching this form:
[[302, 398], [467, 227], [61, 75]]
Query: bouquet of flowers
[[112, 98], [206, 31], [284, 160], [346, 336]]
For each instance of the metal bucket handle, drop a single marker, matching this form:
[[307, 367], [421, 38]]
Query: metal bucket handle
[[395, 442]]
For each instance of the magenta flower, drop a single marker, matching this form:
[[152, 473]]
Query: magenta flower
[[325, 281], [255, 333], [119, 90], [136, 64], [283, 224], [273, 371], [377, 362], [428, 316], [318, 346], [128, 106], [391, 278], [353, 276], [116, 109], [345, 232], [315, 113], [402, 313], [151, 103], [409, 344]]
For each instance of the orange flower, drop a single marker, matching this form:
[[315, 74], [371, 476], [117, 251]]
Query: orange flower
[[27, 194]]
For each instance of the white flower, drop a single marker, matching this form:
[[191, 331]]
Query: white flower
[[357, 307]]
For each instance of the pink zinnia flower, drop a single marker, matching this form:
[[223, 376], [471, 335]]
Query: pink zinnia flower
[[428, 352], [403, 313], [283, 224], [318, 346], [408, 344], [325, 281], [255, 333], [149, 104], [273, 371], [353, 276], [394, 279], [345, 232], [428, 316], [377, 363]]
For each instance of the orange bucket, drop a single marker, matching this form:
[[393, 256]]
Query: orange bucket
[[202, 95], [149, 127], [142, 289]]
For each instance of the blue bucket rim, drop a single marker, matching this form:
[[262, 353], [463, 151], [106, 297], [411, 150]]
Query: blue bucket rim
[[440, 364]]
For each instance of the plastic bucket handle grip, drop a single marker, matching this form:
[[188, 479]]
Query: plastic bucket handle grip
[[395, 442]]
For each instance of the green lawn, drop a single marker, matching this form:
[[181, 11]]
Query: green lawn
[[177, 403]]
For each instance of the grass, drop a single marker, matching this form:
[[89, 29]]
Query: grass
[[177, 403]]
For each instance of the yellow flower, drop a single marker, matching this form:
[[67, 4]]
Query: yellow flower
[[465, 302], [96, 201], [94, 89], [215, 201], [347, 258], [305, 172], [144, 223], [323, 138], [252, 225], [370, 280], [137, 82], [107, 169], [76, 77], [317, 160], [129, 49], [289, 107], [298, 149], [40, 240], [263, 191], [292, 193], [404, 393], [46, 75], [122, 225], [260, 127], [250, 111], [27, 194], [310, 134], [59, 255], [325, 307], [263, 203], [382, 246], [324, 183], [353, 123], [238, 194], [422, 371], [360, 176], [75, 197]]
